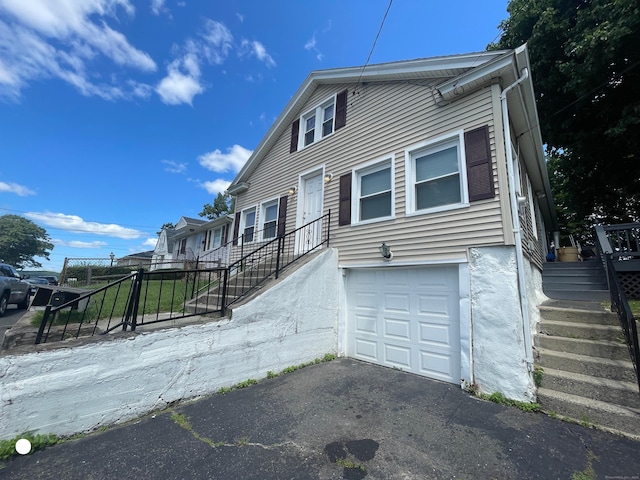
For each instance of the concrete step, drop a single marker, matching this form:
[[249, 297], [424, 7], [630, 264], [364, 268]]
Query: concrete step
[[581, 330], [580, 346], [620, 370], [617, 418], [625, 394], [579, 285], [578, 316], [596, 295]]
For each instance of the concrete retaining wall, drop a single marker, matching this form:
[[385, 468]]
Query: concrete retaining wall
[[70, 390]]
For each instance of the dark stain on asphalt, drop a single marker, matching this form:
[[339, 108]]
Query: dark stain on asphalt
[[363, 450]]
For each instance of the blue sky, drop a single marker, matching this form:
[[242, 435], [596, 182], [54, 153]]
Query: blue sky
[[117, 116]]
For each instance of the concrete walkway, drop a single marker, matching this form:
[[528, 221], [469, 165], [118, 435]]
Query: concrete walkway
[[338, 420]]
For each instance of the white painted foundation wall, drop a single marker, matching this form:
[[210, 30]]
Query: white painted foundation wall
[[71, 390], [498, 339]]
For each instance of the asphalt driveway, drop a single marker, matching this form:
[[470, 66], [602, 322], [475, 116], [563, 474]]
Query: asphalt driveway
[[342, 419]]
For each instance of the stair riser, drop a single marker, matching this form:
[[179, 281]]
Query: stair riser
[[591, 368], [614, 351], [590, 414], [628, 397], [592, 318], [589, 332], [589, 295], [578, 286]]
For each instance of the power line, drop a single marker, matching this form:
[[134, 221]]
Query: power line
[[374, 43]]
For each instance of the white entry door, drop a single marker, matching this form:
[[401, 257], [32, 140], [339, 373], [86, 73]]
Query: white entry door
[[406, 318], [311, 194]]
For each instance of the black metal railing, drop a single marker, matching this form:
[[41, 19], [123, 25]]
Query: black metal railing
[[148, 297], [619, 243]]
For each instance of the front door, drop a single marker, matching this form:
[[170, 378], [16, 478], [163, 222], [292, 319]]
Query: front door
[[311, 235]]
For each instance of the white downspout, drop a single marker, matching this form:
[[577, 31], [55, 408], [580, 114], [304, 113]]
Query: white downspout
[[524, 302]]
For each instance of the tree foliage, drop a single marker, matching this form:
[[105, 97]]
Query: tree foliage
[[223, 204], [21, 240], [165, 226], [585, 62]]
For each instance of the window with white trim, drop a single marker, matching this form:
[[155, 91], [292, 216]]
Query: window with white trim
[[317, 123], [269, 219], [374, 192], [435, 177], [248, 223], [214, 237]]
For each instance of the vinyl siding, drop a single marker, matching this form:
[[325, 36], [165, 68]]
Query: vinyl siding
[[384, 119]]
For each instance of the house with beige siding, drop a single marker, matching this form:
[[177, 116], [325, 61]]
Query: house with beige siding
[[440, 209]]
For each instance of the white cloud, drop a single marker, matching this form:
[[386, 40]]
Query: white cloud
[[311, 46], [182, 82], [216, 186], [76, 224], [256, 48], [218, 41], [60, 39], [78, 244], [19, 190], [232, 161], [240, 17], [150, 242], [157, 6], [174, 167]]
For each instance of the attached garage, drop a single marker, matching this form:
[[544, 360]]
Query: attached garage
[[408, 318]]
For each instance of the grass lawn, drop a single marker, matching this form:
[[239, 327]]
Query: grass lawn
[[157, 296], [635, 308]]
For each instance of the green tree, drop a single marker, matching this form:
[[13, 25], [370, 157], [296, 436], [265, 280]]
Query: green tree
[[223, 204], [164, 227], [21, 240], [585, 62]]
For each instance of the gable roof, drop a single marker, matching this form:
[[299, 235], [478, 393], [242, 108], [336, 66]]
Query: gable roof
[[444, 68], [460, 74]]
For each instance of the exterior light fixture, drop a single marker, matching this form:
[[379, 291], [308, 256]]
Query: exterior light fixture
[[293, 190], [112, 257], [385, 251], [328, 177]]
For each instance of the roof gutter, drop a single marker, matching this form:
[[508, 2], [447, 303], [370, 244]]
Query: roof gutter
[[515, 218]]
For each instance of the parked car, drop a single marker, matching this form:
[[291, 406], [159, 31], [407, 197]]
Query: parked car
[[53, 280], [13, 289], [35, 281]]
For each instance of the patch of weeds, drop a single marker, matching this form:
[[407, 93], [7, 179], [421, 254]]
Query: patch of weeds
[[246, 383], [38, 442], [538, 372], [271, 374], [588, 473], [552, 414], [586, 422], [242, 442], [182, 421], [499, 398], [343, 462], [224, 390], [328, 357]]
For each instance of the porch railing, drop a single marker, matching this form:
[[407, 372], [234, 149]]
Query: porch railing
[[148, 297], [618, 245]]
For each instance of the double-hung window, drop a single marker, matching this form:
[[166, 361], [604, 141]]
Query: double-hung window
[[435, 176], [249, 224], [374, 187], [269, 213], [214, 238], [318, 123]]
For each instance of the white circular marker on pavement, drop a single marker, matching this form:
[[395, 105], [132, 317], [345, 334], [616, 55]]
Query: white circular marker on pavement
[[23, 446]]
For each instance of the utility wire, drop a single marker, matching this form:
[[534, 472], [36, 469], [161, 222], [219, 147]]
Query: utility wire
[[374, 44]]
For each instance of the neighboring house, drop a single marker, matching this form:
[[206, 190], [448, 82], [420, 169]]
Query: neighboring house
[[442, 160], [140, 259], [192, 240]]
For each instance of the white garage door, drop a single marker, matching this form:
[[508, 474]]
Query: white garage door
[[406, 318]]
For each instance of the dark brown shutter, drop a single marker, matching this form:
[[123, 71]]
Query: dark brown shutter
[[295, 131], [225, 234], [236, 228], [344, 212], [479, 167], [341, 109], [282, 215]]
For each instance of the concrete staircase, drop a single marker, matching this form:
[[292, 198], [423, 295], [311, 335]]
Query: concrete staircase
[[587, 374], [575, 281]]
